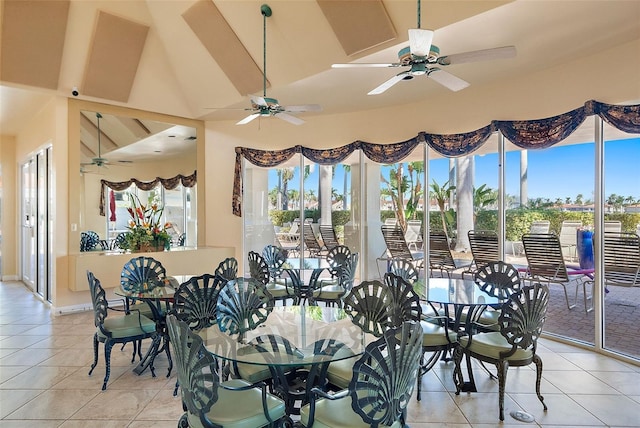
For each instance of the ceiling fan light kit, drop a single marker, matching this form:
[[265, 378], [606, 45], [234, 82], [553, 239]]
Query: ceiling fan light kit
[[423, 58]]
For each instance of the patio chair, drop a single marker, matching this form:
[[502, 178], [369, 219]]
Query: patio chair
[[612, 226], [227, 269], [209, 402], [259, 270], [381, 383], [397, 248], [329, 237], [130, 327], [546, 264], [414, 234], [484, 248], [521, 321], [440, 257], [622, 259], [311, 244], [568, 237], [536, 227]]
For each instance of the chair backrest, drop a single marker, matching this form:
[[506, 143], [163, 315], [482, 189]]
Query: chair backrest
[[196, 300], [258, 268], [274, 257], [498, 279], [243, 305], [376, 306], [348, 271], [404, 269], [141, 274], [540, 226], [440, 256], [310, 241], [568, 232], [329, 238], [336, 258], [227, 269], [612, 226], [414, 231], [386, 374], [522, 317], [98, 300], [544, 257], [395, 242], [120, 242], [622, 258], [89, 240], [484, 246], [196, 367]]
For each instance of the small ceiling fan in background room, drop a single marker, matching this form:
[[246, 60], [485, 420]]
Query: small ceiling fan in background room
[[423, 58], [98, 161], [263, 106]]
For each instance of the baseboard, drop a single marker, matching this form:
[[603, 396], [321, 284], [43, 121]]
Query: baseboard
[[73, 309]]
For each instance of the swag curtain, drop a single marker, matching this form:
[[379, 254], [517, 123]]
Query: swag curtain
[[526, 134], [167, 183]]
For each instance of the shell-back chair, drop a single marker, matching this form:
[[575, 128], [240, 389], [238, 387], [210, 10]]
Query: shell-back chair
[[130, 327], [382, 382], [206, 400], [521, 321]]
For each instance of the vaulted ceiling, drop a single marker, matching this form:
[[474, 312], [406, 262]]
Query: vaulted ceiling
[[201, 58]]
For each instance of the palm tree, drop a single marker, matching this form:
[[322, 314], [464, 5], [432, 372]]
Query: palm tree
[[483, 197], [442, 194]]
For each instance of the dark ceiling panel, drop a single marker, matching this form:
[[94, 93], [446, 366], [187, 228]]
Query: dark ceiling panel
[[223, 45], [114, 57], [33, 35], [358, 24]]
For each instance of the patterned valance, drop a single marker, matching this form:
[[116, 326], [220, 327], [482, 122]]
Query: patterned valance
[[167, 183], [526, 134]]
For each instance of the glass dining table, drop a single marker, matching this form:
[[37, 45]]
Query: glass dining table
[[462, 302], [296, 344]]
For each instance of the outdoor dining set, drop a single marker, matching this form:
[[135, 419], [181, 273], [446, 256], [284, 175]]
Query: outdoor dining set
[[302, 342]]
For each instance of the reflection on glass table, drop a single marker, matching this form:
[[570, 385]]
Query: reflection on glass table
[[296, 344]]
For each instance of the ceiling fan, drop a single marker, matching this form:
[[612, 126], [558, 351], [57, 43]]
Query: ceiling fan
[[263, 106], [99, 161], [423, 58]]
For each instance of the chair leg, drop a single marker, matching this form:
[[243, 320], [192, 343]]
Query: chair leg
[[107, 359], [95, 353], [458, 380], [538, 362], [502, 367]]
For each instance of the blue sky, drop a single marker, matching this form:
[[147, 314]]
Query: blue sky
[[557, 172]]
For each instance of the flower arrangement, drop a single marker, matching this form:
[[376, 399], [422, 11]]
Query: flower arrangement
[[146, 233]]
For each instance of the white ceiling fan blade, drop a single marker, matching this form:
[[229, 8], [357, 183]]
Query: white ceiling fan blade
[[303, 108], [248, 119], [389, 83], [480, 55], [448, 80], [366, 65], [259, 101], [420, 41], [289, 118]]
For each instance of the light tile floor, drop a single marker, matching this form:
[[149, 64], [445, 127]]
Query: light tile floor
[[44, 362]]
